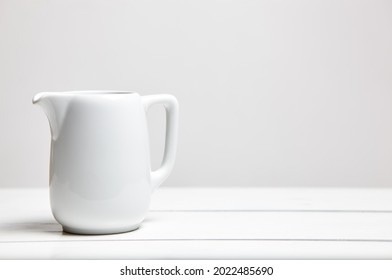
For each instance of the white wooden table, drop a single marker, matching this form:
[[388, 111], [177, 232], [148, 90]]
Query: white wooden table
[[214, 222]]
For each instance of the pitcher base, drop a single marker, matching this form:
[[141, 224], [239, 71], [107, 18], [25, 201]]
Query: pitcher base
[[100, 231]]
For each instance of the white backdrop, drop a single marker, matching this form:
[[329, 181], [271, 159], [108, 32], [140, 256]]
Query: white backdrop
[[271, 92]]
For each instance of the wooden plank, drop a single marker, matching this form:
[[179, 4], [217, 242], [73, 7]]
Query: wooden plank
[[196, 250], [232, 198], [272, 198], [214, 222], [235, 213], [160, 225]]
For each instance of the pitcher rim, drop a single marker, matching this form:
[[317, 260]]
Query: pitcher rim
[[94, 92], [38, 96]]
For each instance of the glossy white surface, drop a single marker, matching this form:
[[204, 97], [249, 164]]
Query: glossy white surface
[[214, 222], [100, 176]]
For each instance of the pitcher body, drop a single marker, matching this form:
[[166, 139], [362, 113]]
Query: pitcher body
[[100, 175]]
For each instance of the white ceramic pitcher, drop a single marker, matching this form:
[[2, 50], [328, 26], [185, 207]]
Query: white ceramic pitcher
[[100, 176]]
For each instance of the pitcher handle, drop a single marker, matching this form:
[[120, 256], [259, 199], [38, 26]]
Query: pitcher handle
[[171, 106]]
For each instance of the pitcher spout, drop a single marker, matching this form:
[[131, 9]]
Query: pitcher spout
[[39, 96], [55, 107]]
